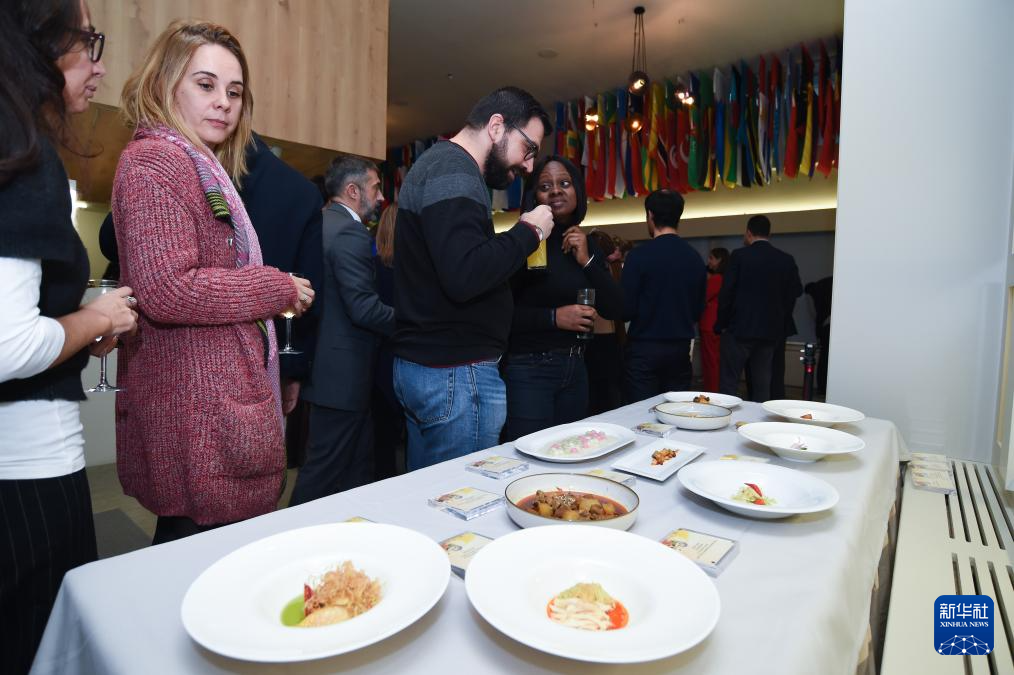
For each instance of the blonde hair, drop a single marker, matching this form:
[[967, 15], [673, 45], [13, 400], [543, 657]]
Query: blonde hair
[[148, 95], [385, 235]]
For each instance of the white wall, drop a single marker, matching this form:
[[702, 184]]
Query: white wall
[[924, 213]]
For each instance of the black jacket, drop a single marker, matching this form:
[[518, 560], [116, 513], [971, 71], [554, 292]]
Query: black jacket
[[759, 289]]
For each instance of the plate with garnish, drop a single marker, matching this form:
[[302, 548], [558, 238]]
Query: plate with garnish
[[724, 400], [315, 592], [592, 594], [758, 490], [575, 442], [801, 444], [659, 460], [813, 412]]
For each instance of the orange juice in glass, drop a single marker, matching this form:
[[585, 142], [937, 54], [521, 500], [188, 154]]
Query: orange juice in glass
[[537, 260]]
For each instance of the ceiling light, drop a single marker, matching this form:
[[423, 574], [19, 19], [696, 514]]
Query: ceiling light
[[634, 122], [591, 119], [638, 79]]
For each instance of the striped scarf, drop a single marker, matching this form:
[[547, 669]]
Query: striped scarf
[[226, 205]]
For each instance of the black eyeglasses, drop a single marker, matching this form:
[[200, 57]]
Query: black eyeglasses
[[95, 42], [533, 147]]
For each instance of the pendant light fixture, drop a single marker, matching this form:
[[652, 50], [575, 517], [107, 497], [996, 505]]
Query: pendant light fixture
[[638, 80]]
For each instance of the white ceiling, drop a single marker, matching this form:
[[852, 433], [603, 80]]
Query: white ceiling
[[485, 44]]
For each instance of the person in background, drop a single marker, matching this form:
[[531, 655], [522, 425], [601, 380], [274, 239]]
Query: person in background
[[603, 357], [718, 258], [339, 453], [663, 283], [452, 300], [544, 370], [51, 57], [759, 288], [820, 292], [199, 424], [388, 416], [285, 211]]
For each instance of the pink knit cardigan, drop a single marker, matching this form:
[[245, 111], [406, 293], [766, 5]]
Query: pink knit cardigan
[[198, 432]]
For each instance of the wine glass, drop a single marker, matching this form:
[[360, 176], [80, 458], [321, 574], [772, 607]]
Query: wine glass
[[97, 287], [586, 296], [289, 315]]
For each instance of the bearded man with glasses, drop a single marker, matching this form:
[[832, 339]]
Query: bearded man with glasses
[[452, 299]]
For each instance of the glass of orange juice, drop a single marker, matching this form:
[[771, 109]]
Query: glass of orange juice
[[537, 260]]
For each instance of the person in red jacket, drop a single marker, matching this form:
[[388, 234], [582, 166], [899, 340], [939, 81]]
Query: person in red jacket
[[710, 341], [199, 424]]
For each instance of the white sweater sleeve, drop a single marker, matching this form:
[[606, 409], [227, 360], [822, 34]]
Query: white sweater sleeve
[[29, 342]]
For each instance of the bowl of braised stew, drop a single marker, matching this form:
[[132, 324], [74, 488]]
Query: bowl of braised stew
[[570, 499]]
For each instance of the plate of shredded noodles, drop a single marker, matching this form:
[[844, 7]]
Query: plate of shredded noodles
[[592, 594], [315, 592]]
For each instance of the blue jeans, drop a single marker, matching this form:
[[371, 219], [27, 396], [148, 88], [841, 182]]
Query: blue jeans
[[449, 412], [544, 389]]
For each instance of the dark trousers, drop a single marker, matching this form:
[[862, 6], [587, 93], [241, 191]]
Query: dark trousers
[[824, 339], [543, 389], [740, 352], [654, 367], [339, 454], [777, 371], [46, 529], [171, 528], [604, 361], [388, 432], [297, 426]]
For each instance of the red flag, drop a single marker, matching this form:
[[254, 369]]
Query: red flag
[[825, 157], [791, 134], [681, 150]]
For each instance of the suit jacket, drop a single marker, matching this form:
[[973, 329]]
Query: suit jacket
[[354, 318], [759, 289], [284, 208]]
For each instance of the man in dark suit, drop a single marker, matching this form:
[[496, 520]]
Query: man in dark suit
[[759, 289], [339, 454], [284, 209]]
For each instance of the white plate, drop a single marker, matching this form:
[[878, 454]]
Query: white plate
[[695, 416], [794, 492], [534, 445], [673, 605], [724, 400], [824, 414], [574, 482], [234, 607], [639, 461], [818, 442]]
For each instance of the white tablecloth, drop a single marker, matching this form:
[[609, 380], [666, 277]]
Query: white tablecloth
[[796, 598]]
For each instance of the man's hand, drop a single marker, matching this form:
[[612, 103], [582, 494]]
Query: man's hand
[[290, 395], [577, 318], [541, 217]]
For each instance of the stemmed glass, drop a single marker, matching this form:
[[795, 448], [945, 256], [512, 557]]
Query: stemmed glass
[[97, 287], [586, 296], [289, 314]]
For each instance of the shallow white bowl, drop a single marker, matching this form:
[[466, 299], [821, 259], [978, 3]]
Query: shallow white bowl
[[673, 605], [794, 492], [819, 442], [724, 400], [526, 486], [695, 416], [824, 414], [234, 607]]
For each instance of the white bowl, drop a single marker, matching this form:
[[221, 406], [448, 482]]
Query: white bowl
[[824, 414], [818, 442], [673, 604], [724, 400], [536, 444], [696, 416], [794, 492], [526, 486]]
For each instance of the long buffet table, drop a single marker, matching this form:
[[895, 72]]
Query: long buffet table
[[795, 599]]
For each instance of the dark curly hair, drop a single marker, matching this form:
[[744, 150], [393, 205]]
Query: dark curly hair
[[34, 34]]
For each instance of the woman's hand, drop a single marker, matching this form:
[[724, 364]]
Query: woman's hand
[[305, 296], [577, 318], [116, 306], [575, 242]]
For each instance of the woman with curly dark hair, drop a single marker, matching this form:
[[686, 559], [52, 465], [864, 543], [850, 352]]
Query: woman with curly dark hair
[[51, 56]]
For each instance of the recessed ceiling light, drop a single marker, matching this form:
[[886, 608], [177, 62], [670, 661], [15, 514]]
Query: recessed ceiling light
[[450, 76], [547, 53]]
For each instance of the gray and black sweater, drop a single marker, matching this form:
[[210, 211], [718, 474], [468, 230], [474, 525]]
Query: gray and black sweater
[[452, 300]]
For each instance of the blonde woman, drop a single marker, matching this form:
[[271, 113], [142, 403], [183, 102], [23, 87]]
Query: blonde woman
[[199, 426]]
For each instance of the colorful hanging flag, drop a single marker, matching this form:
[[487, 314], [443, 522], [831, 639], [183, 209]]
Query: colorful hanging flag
[[573, 150], [609, 119], [763, 139], [775, 118], [719, 131], [806, 156], [561, 128], [825, 156], [705, 102], [792, 126], [636, 155]]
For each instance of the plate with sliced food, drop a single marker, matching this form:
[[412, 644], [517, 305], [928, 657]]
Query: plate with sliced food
[[813, 412], [724, 400], [758, 490], [315, 592]]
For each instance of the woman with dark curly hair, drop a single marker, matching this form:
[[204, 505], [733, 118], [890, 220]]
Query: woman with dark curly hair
[[51, 56], [544, 369]]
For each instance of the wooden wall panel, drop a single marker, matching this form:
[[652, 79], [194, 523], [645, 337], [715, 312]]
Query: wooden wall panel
[[318, 67]]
